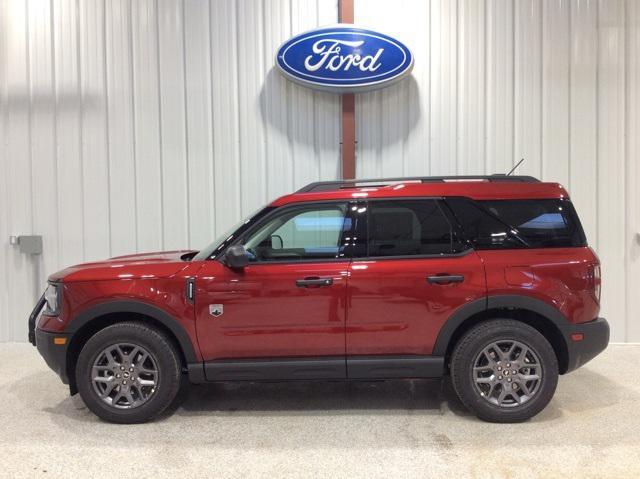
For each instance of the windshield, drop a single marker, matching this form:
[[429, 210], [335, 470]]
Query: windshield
[[229, 235]]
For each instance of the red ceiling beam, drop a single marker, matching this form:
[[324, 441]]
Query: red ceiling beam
[[348, 121]]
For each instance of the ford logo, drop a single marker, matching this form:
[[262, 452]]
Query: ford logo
[[344, 58]]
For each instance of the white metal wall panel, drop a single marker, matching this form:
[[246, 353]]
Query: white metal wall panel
[[632, 135], [123, 207], [499, 71], [554, 81], [556, 45], [471, 94], [146, 117], [173, 127], [583, 122], [611, 185], [136, 126], [96, 188], [132, 126]]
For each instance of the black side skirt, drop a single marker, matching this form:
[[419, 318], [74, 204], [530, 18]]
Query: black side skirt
[[332, 367]]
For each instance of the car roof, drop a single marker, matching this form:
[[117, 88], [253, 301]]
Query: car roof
[[478, 188]]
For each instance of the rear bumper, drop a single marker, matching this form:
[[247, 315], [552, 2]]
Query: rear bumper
[[55, 355], [595, 338]]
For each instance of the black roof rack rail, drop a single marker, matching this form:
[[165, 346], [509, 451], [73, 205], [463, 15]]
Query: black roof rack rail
[[357, 183]]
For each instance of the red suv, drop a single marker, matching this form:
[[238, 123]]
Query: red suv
[[488, 279]]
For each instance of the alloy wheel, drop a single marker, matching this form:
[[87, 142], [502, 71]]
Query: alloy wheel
[[124, 375], [507, 373]]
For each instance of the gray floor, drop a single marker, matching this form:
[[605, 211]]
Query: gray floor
[[381, 429]]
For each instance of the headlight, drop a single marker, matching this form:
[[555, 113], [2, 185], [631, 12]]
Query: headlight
[[52, 300]]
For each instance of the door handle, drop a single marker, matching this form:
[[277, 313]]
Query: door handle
[[314, 281], [445, 278]]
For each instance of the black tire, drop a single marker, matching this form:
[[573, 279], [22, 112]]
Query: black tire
[[165, 359], [469, 352]]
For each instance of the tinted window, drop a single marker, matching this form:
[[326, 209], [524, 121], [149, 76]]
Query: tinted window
[[300, 234], [519, 223], [407, 228]]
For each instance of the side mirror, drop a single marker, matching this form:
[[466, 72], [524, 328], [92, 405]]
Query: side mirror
[[276, 240], [236, 257]]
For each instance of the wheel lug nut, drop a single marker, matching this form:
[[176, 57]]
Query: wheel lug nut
[[508, 365], [508, 380], [514, 386], [130, 369], [121, 368], [499, 368], [124, 382], [514, 371], [500, 377], [117, 375]]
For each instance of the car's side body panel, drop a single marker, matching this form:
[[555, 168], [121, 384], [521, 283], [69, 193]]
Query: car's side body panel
[[558, 276], [263, 313], [394, 309], [83, 301]]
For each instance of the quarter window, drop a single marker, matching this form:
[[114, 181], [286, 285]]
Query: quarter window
[[408, 228], [510, 224], [300, 234]]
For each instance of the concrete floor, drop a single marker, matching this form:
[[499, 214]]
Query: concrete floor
[[379, 429]]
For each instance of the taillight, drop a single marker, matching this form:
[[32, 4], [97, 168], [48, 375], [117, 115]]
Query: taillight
[[596, 281]]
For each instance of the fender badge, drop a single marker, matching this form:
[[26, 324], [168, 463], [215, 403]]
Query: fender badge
[[216, 310]]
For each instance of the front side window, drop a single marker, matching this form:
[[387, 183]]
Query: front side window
[[408, 228], [300, 233]]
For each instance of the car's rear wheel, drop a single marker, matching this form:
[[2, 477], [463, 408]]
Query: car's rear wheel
[[504, 371], [128, 373]]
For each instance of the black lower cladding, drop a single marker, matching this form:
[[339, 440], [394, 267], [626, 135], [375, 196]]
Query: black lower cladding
[[334, 367], [394, 367], [55, 355], [595, 338]]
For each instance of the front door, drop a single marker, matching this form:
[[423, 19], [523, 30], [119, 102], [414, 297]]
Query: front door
[[288, 303], [410, 277]]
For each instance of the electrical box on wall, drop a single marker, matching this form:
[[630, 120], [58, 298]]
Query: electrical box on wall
[[28, 244]]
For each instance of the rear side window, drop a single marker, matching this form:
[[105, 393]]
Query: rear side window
[[500, 224], [408, 228]]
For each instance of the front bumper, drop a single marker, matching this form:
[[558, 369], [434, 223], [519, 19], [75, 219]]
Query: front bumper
[[51, 346], [595, 338], [53, 351]]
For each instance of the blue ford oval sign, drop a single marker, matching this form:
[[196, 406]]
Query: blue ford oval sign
[[344, 58]]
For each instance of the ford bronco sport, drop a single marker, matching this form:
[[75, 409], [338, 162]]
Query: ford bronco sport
[[488, 279]]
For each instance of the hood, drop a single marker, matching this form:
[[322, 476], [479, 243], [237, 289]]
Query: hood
[[135, 266]]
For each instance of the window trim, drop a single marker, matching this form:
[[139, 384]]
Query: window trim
[[414, 256], [457, 236], [283, 210]]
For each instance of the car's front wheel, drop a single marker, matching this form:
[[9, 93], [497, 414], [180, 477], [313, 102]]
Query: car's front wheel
[[504, 371], [128, 373]]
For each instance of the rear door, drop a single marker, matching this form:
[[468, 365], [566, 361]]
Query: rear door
[[407, 278]]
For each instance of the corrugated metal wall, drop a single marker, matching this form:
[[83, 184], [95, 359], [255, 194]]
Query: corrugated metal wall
[[556, 82], [146, 125], [155, 124]]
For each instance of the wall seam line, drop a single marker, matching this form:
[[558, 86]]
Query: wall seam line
[[79, 91], [159, 125], [132, 83], [186, 121]]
